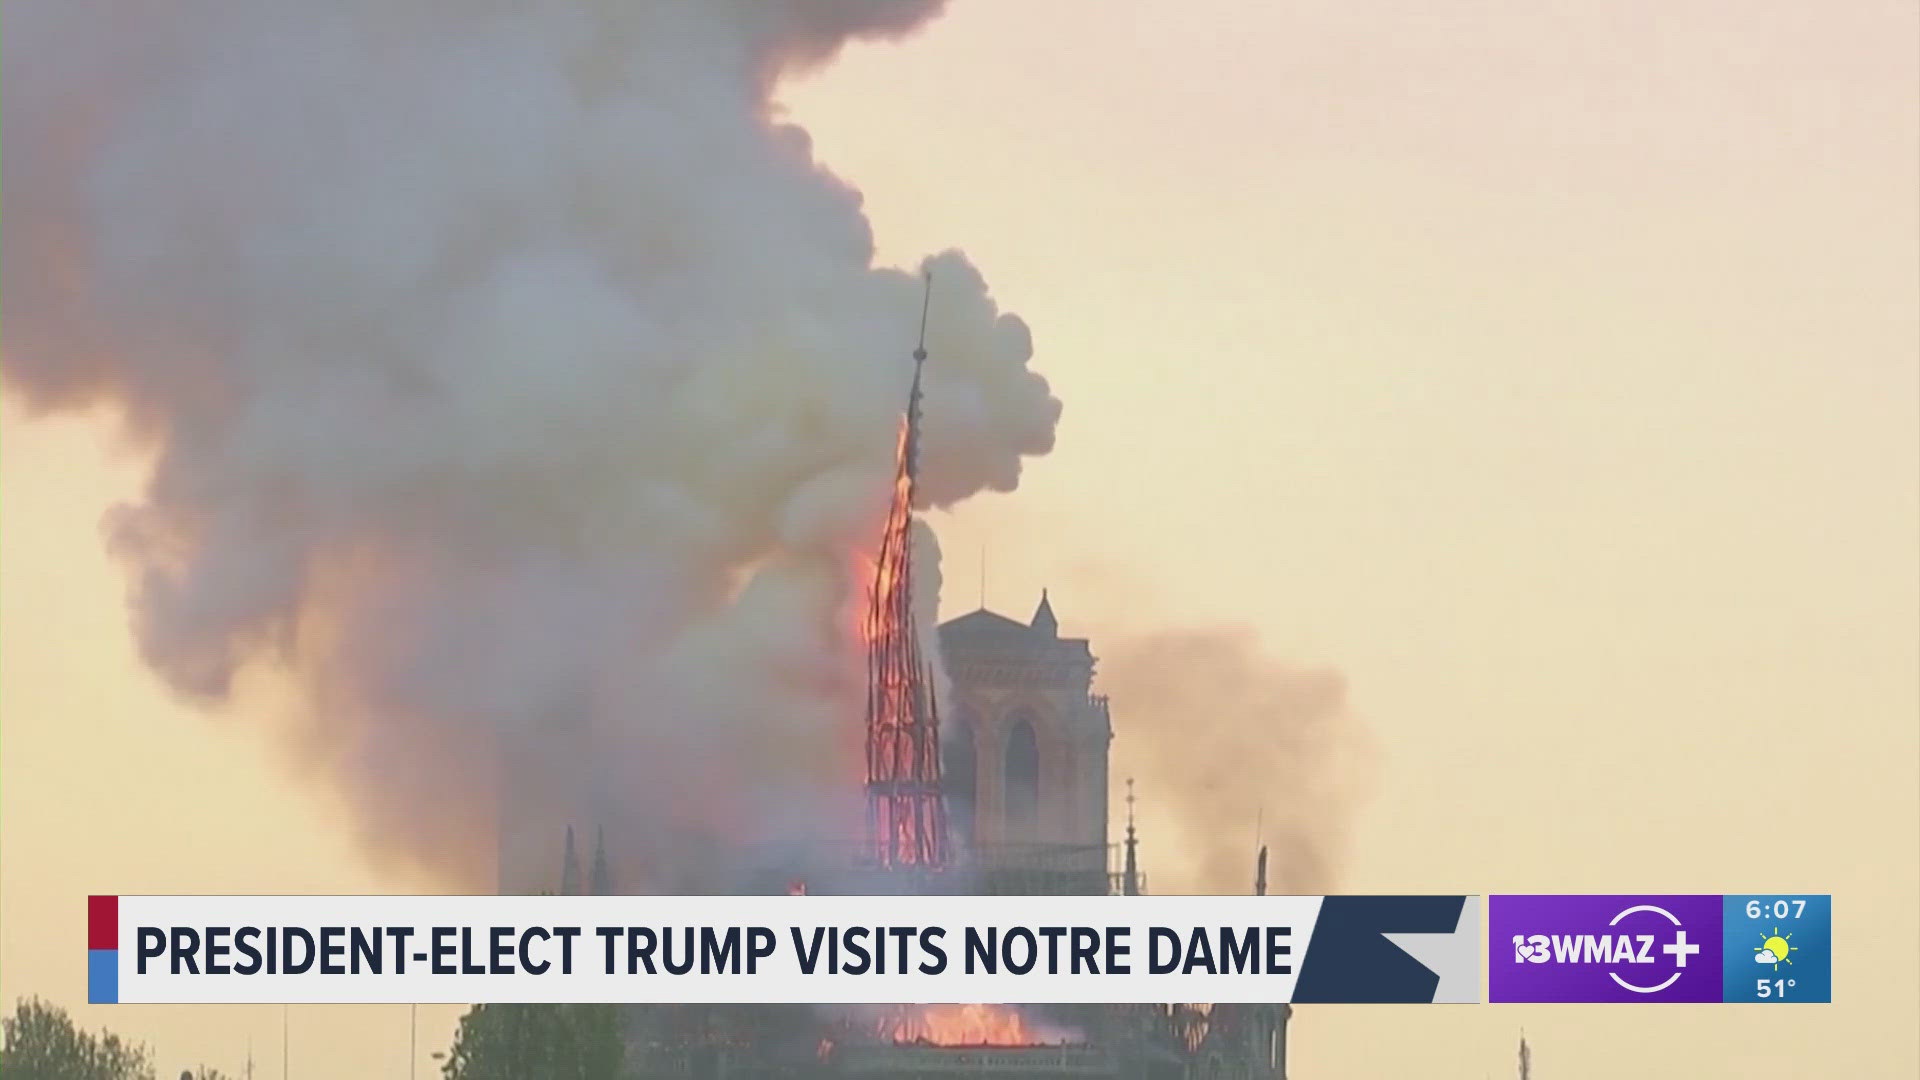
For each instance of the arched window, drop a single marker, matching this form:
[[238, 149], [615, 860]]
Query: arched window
[[959, 771], [1022, 781]]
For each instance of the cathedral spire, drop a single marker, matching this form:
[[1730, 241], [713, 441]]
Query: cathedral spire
[[600, 882], [906, 813], [1130, 881], [570, 869], [913, 396], [1043, 619]]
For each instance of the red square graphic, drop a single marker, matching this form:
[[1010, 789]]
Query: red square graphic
[[103, 922]]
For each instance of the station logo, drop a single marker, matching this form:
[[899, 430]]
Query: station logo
[[1604, 948]]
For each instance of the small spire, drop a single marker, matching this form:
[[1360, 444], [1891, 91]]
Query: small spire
[[913, 396], [570, 869], [926, 301], [1043, 619], [1260, 863], [1130, 881], [601, 882]]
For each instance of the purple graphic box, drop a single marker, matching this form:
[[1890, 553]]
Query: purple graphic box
[[1604, 948]]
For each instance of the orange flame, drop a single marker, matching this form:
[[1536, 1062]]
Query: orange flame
[[906, 817], [890, 583], [969, 1025]]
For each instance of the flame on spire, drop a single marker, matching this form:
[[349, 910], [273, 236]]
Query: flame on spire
[[906, 813]]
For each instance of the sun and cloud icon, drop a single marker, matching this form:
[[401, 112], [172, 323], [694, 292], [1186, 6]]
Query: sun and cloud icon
[[1774, 949]]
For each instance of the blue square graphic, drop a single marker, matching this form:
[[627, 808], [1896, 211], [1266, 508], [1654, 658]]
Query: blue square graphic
[[103, 976], [1778, 947]]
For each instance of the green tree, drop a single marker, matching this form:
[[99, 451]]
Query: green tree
[[550, 1042], [42, 1043]]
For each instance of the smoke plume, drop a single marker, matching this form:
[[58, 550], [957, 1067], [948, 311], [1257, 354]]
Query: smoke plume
[[516, 382], [1233, 749]]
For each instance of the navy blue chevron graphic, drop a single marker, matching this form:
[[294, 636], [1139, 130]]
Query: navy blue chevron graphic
[[1349, 962]]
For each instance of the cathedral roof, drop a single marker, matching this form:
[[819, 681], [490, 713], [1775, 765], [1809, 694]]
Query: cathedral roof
[[986, 631], [985, 625]]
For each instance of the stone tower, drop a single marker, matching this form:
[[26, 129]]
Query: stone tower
[[1025, 744]]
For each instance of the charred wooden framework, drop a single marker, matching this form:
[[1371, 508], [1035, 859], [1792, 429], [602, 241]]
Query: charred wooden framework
[[906, 810]]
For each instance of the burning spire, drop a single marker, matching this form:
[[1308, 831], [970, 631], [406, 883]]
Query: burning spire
[[1130, 881], [906, 813], [1526, 1058]]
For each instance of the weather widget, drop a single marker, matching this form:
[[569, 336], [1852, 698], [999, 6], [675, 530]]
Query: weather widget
[[1778, 947]]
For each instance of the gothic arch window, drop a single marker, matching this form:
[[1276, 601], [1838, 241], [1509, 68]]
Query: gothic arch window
[[1022, 776]]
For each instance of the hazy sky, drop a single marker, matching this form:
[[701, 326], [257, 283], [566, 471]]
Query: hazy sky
[[1551, 371]]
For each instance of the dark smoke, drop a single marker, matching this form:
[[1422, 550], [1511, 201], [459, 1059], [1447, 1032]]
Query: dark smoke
[[517, 387]]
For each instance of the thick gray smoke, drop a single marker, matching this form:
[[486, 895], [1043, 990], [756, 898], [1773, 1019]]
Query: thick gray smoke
[[1233, 749], [516, 383]]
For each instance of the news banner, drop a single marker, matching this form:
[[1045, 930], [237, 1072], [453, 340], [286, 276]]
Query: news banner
[[1764, 947]]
